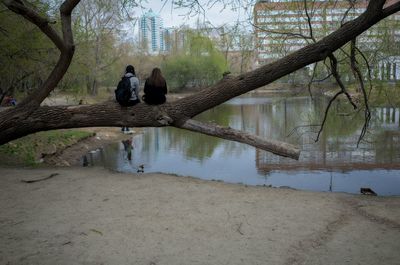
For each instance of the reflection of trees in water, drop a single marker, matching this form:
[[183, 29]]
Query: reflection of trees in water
[[194, 145], [275, 120], [337, 147]]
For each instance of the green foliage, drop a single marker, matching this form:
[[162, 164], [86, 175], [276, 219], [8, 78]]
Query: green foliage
[[199, 64], [28, 150], [26, 55]]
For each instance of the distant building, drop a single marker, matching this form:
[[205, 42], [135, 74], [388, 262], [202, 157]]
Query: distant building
[[174, 39], [151, 34], [281, 27]]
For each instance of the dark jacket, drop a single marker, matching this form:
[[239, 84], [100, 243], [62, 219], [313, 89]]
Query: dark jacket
[[154, 95]]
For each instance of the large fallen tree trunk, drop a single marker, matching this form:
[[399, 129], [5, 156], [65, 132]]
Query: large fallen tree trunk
[[30, 117]]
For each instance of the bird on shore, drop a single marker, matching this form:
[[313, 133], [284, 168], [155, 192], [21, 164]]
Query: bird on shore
[[140, 169]]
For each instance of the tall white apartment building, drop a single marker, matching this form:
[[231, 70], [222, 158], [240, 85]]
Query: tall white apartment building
[[151, 33]]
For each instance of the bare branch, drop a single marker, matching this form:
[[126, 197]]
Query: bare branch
[[391, 9], [290, 34], [358, 75], [351, 2], [335, 73], [312, 80], [310, 28], [323, 79], [275, 147], [366, 62], [326, 113], [376, 6], [295, 129]]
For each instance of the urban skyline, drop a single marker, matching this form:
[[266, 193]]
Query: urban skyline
[[273, 17]]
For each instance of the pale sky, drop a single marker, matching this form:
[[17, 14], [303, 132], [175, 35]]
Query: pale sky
[[217, 15]]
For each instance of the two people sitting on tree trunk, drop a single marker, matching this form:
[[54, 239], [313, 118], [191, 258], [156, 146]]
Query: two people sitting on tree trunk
[[155, 88]]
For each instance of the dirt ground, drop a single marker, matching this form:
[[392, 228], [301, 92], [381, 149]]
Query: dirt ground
[[95, 216]]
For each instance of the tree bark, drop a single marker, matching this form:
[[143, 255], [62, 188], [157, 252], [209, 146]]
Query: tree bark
[[21, 121]]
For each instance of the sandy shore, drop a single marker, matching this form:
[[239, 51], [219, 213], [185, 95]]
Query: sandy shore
[[94, 216]]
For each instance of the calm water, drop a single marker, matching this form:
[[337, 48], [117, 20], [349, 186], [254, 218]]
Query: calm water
[[334, 163]]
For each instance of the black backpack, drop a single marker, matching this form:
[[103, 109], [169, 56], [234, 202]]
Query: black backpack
[[123, 92]]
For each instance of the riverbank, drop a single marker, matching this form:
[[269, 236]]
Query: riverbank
[[61, 147], [102, 136], [95, 216]]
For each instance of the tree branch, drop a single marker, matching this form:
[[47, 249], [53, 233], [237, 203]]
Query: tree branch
[[358, 76], [275, 147], [310, 28], [290, 34], [335, 73], [391, 9], [223, 91], [41, 22], [326, 113], [65, 45]]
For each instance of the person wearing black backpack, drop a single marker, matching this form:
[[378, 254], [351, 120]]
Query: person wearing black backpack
[[127, 92], [129, 95]]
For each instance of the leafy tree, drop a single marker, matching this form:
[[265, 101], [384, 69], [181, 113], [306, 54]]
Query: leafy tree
[[26, 55], [198, 64]]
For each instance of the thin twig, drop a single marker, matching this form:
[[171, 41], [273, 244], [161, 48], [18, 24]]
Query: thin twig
[[301, 126], [326, 113], [338, 79], [310, 28], [312, 80], [358, 76], [238, 229], [37, 180], [323, 79]]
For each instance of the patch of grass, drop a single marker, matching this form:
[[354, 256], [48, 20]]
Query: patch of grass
[[29, 149]]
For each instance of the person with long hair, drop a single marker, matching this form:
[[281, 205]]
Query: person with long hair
[[155, 88]]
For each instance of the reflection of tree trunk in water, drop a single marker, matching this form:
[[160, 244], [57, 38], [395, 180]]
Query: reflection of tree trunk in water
[[243, 122], [394, 115], [285, 117], [324, 149], [387, 115], [324, 136], [392, 150]]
